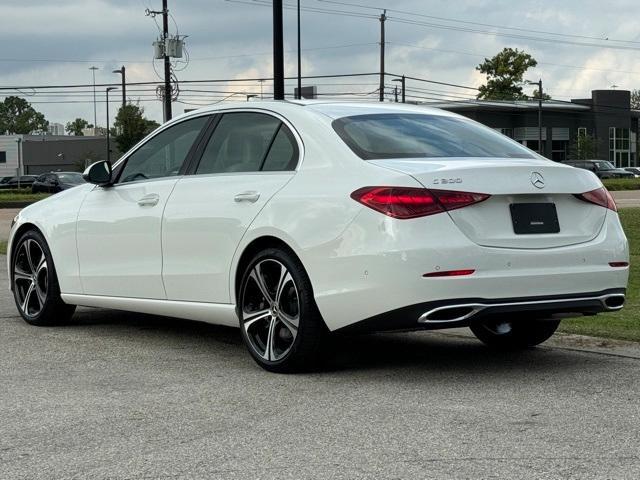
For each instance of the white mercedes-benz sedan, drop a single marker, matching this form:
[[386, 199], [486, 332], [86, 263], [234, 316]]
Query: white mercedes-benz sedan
[[292, 220]]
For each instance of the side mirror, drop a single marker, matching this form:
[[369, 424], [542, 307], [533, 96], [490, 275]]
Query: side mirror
[[99, 173]]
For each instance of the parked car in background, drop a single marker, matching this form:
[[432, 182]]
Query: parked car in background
[[25, 182], [602, 168], [634, 170], [54, 182]]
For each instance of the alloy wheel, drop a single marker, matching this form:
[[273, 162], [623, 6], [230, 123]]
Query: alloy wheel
[[270, 309], [30, 277]]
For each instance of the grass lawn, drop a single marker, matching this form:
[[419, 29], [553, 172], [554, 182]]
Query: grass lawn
[[23, 195], [3, 247], [614, 184], [625, 324]]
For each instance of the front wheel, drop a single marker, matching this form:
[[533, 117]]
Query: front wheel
[[35, 284], [280, 322], [514, 335]]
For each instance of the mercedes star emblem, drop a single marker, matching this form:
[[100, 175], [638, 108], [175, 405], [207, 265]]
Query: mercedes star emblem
[[537, 180]]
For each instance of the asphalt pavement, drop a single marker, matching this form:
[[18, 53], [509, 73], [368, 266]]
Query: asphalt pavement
[[130, 396]]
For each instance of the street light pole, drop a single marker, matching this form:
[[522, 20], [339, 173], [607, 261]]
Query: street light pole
[[402, 81], [108, 134], [122, 72], [95, 112], [540, 149], [539, 84]]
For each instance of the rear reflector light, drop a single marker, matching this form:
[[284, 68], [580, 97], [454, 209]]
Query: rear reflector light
[[618, 264], [449, 273], [409, 202], [601, 197]]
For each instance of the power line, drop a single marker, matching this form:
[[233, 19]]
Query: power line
[[449, 19]]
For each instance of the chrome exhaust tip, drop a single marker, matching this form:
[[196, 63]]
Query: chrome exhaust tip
[[613, 302], [450, 313]]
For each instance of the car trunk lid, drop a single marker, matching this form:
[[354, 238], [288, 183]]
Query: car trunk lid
[[513, 182]]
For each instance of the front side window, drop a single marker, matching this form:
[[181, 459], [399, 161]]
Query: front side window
[[244, 142], [402, 135], [164, 154]]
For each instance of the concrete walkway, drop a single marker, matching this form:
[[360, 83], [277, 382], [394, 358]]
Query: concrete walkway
[[627, 198]]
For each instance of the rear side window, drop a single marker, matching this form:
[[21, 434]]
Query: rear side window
[[391, 135], [283, 154], [239, 143], [249, 142]]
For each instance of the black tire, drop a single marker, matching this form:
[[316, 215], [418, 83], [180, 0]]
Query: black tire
[[520, 334], [292, 351], [34, 279]]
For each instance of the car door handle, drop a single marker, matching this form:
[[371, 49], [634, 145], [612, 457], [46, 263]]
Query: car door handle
[[251, 197], [149, 200]]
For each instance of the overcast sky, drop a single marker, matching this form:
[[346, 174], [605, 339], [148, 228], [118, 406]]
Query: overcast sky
[[55, 43]]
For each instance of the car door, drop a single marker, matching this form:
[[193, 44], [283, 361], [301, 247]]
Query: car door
[[118, 229], [246, 160]]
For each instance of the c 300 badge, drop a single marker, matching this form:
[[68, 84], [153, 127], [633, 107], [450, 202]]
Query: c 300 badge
[[446, 181]]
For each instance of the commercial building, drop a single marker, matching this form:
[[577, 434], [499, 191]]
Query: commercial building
[[606, 117], [56, 129], [35, 154]]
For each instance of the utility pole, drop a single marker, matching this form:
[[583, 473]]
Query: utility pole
[[122, 72], [167, 62], [278, 52], [403, 83], [299, 96], [383, 18], [95, 113], [395, 93]]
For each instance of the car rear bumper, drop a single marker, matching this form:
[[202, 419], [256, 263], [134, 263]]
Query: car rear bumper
[[464, 312], [379, 266]]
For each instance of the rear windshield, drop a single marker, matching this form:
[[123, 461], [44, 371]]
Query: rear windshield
[[407, 135]]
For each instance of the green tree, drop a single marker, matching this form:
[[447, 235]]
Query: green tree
[[76, 127], [131, 126], [635, 99], [505, 75], [535, 95], [17, 116], [583, 148]]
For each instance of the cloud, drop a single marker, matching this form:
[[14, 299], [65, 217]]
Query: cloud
[[233, 40]]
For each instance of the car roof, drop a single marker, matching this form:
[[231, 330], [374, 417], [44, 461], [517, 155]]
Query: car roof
[[332, 109]]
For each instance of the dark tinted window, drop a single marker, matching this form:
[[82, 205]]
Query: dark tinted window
[[3, 157], [283, 154], [239, 143], [416, 135], [164, 154], [71, 177]]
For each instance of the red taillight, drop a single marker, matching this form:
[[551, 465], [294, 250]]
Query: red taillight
[[450, 273], [409, 202], [601, 197]]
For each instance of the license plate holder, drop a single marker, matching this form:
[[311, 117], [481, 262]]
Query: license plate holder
[[534, 218]]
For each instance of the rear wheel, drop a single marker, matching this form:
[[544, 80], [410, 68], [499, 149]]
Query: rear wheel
[[514, 335], [279, 320], [35, 284]]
